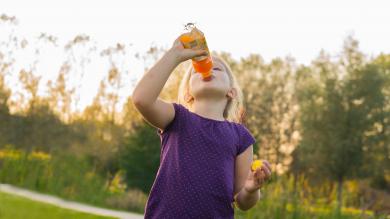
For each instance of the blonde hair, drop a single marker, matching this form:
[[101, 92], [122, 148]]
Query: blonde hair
[[234, 110]]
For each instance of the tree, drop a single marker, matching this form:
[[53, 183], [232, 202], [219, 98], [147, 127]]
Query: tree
[[60, 97], [271, 108], [337, 111], [78, 52], [140, 157], [377, 139], [5, 94]]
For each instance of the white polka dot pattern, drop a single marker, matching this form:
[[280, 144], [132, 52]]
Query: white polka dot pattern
[[196, 174]]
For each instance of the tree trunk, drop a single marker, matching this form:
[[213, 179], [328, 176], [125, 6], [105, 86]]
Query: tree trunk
[[339, 193]]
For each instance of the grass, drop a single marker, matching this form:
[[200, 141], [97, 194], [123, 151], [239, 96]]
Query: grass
[[15, 207], [72, 178], [279, 201], [62, 175]]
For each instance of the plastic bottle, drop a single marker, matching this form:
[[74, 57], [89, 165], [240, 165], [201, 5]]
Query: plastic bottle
[[195, 39]]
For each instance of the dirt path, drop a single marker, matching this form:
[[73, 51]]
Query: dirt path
[[67, 204]]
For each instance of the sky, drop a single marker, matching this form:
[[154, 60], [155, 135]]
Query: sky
[[277, 28]]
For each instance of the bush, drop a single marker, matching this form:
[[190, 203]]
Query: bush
[[132, 200]]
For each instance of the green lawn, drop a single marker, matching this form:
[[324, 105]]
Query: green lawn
[[15, 207]]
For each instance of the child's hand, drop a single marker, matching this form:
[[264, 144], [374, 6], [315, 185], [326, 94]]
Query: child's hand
[[257, 177], [181, 54]]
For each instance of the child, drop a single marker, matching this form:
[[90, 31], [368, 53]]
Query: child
[[206, 153]]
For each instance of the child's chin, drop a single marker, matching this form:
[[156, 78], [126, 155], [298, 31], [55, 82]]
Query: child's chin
[[210, 91]]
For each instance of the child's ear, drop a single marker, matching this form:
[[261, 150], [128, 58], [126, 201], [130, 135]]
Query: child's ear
[[188, 97], [232, 93]]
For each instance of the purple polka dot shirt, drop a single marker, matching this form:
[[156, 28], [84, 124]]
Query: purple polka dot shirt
[[196, 174]]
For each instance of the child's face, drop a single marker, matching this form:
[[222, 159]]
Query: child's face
[[218, 86]]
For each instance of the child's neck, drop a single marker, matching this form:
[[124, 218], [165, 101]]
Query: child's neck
[[210, 108]]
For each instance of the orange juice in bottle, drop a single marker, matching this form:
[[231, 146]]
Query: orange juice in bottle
[[195, 39]]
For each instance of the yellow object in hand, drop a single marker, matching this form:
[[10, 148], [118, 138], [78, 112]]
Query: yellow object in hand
[[256, 164]]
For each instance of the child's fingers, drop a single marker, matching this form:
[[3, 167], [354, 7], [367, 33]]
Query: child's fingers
[[258, 173], [178, 41], [254, 173], [266, 163], [201, 52], [191, 53], [261, 174], [267, 167], [260, 179], [267, 172]]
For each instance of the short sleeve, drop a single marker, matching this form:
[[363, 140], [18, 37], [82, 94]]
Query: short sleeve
[[245, 139], [177, 121]]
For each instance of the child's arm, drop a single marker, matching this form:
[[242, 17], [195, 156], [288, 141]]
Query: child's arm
[[145, 95], [244, 199], [247, 182]]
